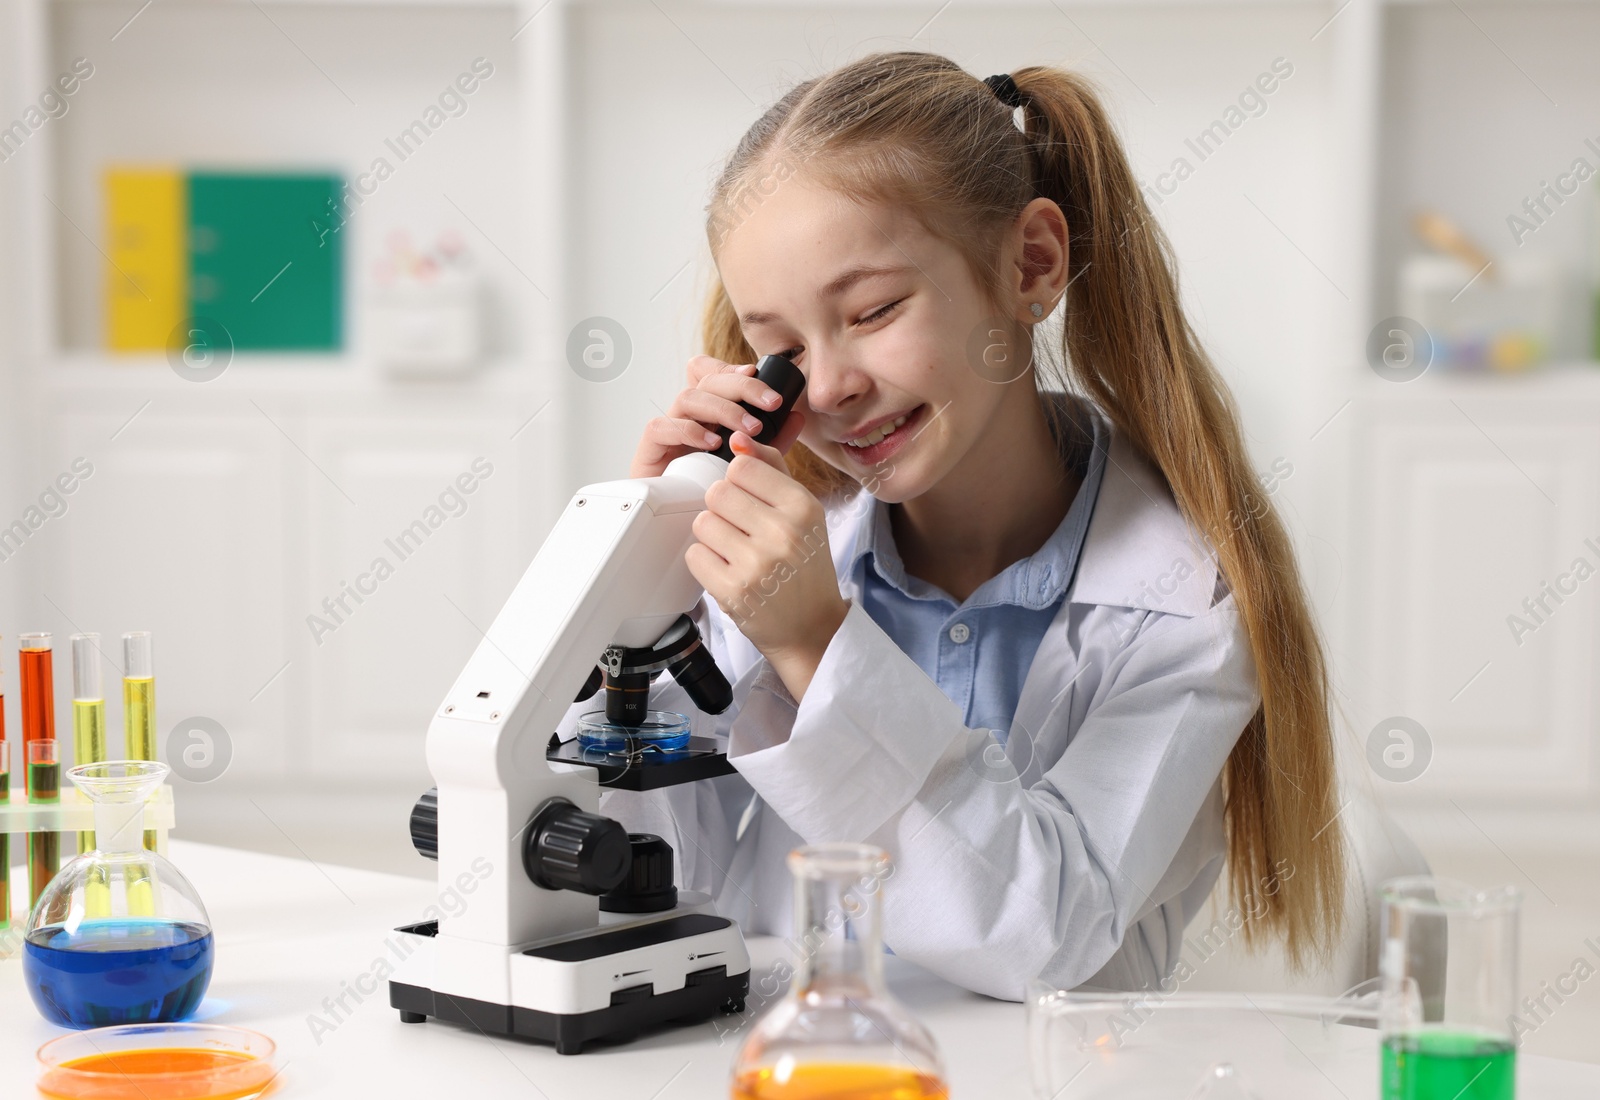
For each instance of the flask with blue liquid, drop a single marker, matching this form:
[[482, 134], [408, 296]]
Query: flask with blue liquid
[[119, 936]]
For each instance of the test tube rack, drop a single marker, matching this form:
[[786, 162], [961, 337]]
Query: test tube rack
[[75, 813]]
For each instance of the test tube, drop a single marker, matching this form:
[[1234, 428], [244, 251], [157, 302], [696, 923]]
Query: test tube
[[44, 788], [38, 692], [5, 800], [37, 677], [139, 704], [88, 712], [5, 838]]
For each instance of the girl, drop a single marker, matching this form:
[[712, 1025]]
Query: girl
[[1034, 629]]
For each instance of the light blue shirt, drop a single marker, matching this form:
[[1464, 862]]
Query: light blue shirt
[[979, 652]]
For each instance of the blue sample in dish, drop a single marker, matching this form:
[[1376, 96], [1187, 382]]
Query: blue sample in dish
[[662, 730], [119, 971]]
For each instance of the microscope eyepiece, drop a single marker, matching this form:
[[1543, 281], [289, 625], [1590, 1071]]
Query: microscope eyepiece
[[781, 375]]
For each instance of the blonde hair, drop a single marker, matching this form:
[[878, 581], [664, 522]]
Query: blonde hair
[[914, 130]]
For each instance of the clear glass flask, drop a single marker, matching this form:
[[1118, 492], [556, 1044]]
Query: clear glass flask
[[838, 1033], [119, 936], [1448, 961]]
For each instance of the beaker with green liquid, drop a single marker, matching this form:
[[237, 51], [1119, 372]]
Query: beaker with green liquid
[[1449, 968]]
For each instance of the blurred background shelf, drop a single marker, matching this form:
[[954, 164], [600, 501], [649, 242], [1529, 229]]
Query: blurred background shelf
[[98, 372]]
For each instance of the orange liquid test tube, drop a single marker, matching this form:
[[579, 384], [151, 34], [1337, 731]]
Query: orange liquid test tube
[[36, 673]]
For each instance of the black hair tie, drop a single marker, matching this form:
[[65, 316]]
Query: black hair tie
[[1006, 90]]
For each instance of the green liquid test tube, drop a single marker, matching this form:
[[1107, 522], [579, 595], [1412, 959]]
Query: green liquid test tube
[[139, 704], [44, 789], [88, 712]]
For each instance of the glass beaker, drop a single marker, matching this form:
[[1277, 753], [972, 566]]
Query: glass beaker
[[119, 936], [1102, 1044], [1449, 968], [838, 1032]]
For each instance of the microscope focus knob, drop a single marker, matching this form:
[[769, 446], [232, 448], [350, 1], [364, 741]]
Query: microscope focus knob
[[425, 824], [648, 886], [568, 849]]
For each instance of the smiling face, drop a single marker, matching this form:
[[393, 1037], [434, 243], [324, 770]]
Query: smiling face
[[874, 348]]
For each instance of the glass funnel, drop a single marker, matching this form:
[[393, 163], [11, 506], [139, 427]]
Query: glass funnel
[[119, 936], [838, 1031]]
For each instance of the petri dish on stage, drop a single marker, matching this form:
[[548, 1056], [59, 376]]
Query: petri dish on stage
[[664, 730], [175, 1061]]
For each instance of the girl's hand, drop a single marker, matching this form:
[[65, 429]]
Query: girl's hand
[[763, 555], [709, 401]]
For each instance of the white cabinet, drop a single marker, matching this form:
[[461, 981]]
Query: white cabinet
[[241, 528], [408, 561], [179, 530], [1478, 536]]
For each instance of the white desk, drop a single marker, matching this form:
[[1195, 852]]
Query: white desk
[[291, 934]]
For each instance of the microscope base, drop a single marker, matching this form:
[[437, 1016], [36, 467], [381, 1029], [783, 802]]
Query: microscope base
[[620, 1014], [629, 1014]]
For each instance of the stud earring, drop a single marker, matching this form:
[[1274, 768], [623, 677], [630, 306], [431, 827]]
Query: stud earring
[[1037, 309]]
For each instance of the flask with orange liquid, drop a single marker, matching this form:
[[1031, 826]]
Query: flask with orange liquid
[[838, 1033]]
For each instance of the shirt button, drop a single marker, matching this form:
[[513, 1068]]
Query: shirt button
[[960, 633]]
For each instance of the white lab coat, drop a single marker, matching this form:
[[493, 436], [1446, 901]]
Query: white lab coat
[[1080, 857]]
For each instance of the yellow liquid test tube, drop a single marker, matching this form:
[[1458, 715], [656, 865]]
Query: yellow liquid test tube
[[89, 747], [139, 728], [139, 704], [88, 712]]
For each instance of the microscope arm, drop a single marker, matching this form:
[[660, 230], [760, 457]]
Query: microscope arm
[[517, 948]]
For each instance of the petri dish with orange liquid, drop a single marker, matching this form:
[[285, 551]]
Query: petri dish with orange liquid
[[174, 1061]]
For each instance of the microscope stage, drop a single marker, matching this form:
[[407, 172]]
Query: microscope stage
[[702, 758]]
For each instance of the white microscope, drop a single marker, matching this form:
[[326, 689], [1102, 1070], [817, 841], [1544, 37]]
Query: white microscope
[[528, 953]]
